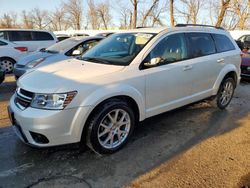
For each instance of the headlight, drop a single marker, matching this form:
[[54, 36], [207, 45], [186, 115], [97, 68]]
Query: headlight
[[34, 63], [52, 101]]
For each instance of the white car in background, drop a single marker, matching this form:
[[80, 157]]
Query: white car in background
[[63, 50], [9, 54], [33, 39]]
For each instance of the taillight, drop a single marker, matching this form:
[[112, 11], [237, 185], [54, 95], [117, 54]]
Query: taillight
[[22, 49]]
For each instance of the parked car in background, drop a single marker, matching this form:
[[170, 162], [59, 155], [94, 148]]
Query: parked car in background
[[2, 75], [126, 78], [9, 54], [244, 41], [33, 39], [245, 65], [65, 49], [236, 34]]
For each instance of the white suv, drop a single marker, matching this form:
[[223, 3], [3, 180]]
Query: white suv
[[126, 78]]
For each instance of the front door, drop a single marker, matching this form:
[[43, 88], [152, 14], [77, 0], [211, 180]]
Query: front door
[[168, 78]]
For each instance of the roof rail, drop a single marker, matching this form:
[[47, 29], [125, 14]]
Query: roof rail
[[198, 25]]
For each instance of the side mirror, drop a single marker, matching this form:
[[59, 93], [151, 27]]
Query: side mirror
[[76, 53], [153, 62]]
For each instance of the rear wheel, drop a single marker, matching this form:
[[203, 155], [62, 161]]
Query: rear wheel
[[225, 93], [110, 127], [7, 64]]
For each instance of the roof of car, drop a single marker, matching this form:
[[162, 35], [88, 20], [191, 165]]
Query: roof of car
[[157, 30], [83, 38], [16, 29]]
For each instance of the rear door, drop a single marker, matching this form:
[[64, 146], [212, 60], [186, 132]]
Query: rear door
[[22, 38], [205, 69], [42, 39]]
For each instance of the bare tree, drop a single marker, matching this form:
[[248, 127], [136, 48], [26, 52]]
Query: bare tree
[[103, 10], [171, 7], [75, 12], [223, 9], [40, 18], [58, 19], [241, 8], [9, 20], [93, 15], [150, 11], [27, 20], [191, 10], [135, 6]]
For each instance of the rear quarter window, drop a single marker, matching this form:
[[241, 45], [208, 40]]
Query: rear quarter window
[[41, 36], [200, 44], [223, 43], [19, 35]]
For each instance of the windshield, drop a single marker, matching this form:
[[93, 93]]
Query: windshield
[[118, 49], [62, 46]]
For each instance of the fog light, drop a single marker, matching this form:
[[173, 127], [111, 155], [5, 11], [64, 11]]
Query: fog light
[[39, 138]]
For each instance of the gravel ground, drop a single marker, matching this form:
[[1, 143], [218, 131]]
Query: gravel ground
[[195, 146]]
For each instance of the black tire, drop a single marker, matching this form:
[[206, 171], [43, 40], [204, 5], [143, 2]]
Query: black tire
[[7, 64], [218, 98], [92, 139]]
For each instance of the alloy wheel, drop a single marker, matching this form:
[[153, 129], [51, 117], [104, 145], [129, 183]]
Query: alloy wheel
[[7, 65], [114, 128], [226, 93]]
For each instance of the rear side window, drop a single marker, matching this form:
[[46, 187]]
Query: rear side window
[[200, 44], [20, 36], [40, 36], [223, 43]]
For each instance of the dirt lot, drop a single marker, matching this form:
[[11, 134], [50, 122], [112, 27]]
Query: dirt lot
[[196, 146]]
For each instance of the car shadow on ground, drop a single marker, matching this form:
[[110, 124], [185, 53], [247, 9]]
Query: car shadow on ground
[[155, 141]]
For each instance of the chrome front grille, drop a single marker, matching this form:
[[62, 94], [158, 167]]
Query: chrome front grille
[[23, 98]]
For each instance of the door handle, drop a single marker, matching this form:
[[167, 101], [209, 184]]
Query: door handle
[[187, 67], [220, 60]]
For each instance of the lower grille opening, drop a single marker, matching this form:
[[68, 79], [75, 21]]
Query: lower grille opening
[[39, 138]]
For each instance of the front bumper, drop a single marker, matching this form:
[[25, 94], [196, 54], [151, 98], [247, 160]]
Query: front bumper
[[58, 126]]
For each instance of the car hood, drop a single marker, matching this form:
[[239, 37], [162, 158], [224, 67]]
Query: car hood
[[33, 56], [64, 76], [245, 61]]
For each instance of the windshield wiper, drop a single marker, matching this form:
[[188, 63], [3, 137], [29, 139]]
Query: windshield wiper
[[96, 60], [49, 51]]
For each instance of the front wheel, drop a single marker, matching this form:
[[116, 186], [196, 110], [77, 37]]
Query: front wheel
[[110, 127], [225, 93]]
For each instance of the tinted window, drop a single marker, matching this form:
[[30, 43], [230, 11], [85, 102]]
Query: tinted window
[[169, 50], [19, 35], [2, 43], [200, 44], [37, 35], [223, 43]]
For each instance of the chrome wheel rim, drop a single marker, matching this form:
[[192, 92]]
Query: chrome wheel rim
[[6, 65], [114, 128], [226, 93]]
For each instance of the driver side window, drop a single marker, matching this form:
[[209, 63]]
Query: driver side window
[[169, 50]]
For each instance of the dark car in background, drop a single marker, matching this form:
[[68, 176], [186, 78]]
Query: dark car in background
[[245, 66], [2, 75]]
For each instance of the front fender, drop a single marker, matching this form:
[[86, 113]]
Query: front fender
[[110, 91], [228, 68]]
